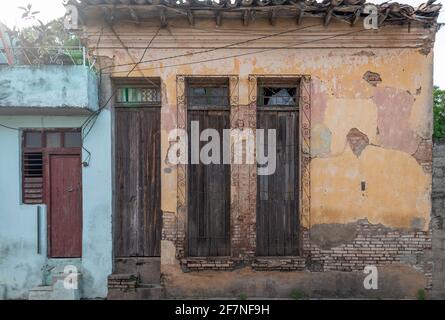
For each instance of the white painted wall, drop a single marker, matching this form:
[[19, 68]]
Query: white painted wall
[[20, 265]]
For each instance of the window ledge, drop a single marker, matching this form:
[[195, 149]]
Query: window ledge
[[279, 264], [209, 263]]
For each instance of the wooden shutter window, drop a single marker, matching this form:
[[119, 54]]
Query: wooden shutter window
[[33, 177]]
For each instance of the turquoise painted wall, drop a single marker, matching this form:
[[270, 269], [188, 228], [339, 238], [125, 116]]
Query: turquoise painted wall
[[54, 87], [20, 265]]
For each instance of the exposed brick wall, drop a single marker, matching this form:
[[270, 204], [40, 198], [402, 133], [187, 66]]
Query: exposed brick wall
[[375, 245], [216, 264], [372, 244], [122, 282], [279, 263]]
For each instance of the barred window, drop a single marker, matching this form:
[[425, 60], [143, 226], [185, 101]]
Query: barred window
[[278, 92]]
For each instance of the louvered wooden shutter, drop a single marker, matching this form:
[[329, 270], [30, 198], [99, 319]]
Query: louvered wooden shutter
[[33, 177]]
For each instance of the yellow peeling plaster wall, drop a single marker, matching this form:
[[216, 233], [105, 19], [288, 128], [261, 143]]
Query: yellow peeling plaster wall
[[396, 117], [394, 114]]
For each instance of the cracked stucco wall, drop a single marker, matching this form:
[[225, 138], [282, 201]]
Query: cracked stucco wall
[[371, 124]]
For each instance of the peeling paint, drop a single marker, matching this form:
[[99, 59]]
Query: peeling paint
[[358, 141], [373, 78], [394, 110]]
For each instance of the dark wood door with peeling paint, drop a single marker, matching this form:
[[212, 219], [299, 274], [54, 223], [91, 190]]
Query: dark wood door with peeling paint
[[64, 202], [278, 194], [209, 192], [138, 219]]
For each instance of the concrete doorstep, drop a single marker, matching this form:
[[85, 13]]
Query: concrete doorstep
[[57, 290]]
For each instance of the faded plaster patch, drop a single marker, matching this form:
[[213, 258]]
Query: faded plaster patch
[[372, 78], [358, 141], [344, 114], [321, 138], [319, 100], [394, 109], [364, 53], [397, 189], [418, 224], [168, 256], [327, 236]]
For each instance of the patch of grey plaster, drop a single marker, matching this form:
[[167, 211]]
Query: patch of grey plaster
[[418, 224], [328, 236], [321, 140], [358, 141], [372, 78], [364, 53]]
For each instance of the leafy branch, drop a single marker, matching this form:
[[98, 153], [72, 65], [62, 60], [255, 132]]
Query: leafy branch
[[439, 113]]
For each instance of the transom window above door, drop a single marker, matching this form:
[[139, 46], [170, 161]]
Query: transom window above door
[[208, 93], [276, 92], [137, 92], [49, 138], [137, 95]]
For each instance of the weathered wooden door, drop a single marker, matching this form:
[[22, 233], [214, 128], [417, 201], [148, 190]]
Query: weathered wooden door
[[138, 219], [278, 194], [64, 205], [208, 192]]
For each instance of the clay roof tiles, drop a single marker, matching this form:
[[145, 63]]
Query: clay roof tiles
[[346, 9]]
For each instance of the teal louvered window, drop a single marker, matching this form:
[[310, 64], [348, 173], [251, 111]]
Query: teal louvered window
[[130, 96]]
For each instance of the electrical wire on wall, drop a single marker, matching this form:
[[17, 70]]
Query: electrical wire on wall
[[216, 48], [90, 122]]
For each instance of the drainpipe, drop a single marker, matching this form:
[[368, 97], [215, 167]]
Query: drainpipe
[[41, 230]]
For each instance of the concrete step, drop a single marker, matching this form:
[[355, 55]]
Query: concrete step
[[57, 290], [141, 292], [148, 270], [56, 267], [149, 292], [41, 293]]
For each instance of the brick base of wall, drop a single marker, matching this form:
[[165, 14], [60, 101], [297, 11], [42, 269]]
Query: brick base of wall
[[279, 264], [124, 282], [373, 245], [217, 264]]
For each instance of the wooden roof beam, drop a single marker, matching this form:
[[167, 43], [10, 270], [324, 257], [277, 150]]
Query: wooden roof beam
[[218, 18], [163, 17], [134, 15], [190, 17], [247, 15], [273, 17]]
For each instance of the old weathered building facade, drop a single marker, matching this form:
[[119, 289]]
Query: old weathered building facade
[[355, 192], [352, 108]]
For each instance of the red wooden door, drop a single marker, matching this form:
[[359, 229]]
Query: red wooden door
[[64, 200]]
